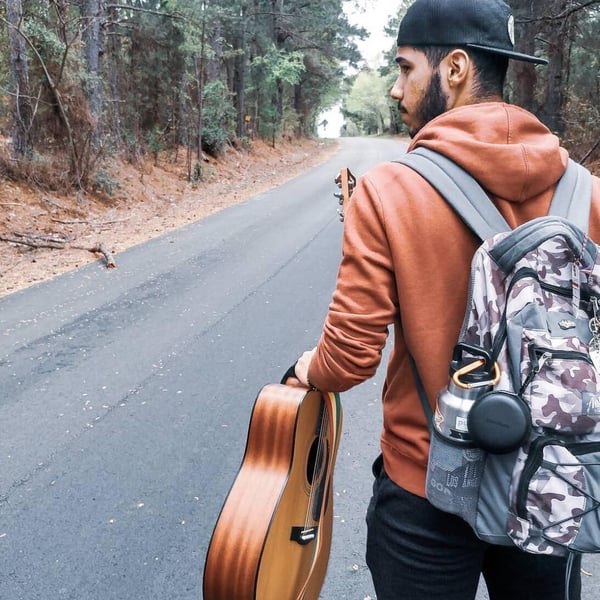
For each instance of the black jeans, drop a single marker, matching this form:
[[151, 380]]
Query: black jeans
[[417, 552]]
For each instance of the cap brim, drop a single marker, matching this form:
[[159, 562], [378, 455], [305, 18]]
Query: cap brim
[[510, 54]]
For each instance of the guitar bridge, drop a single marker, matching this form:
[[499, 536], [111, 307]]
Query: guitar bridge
[[303, 535]]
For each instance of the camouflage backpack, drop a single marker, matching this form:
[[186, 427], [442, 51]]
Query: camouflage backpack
[[526, 364]]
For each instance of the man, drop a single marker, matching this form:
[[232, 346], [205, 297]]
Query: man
[[406, 259]]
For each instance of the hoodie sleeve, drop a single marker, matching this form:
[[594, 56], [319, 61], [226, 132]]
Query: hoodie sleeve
[[364, 302]]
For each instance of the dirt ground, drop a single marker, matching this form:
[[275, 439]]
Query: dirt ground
[[147, 200]]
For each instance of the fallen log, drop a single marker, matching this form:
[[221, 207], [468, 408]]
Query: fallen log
[[101, 249], [33, 241], [86, 222]]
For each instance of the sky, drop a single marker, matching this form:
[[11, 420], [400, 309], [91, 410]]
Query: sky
[[373, 15]]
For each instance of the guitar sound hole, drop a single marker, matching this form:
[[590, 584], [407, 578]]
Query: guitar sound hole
[[315, 474], [317, 458], [312, 468]]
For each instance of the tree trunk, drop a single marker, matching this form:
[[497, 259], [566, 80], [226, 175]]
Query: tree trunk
[[213, 64], [199, 61], [551, 112], [301, 129], [552, 109], [22, 106], [523, 74], [92, 50], [183, 129], [240, 79], [277, 9], [114, 45]]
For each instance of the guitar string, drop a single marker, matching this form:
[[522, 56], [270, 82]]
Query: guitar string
[[311, 495], [317, 466], [331, 410]]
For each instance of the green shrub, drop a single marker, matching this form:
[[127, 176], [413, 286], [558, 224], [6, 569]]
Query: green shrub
[[218, 119]]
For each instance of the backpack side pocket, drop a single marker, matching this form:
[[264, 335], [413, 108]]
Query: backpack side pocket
[[454, 476], [555, 498]]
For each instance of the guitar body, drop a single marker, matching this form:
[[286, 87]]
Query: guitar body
[[272, 538]]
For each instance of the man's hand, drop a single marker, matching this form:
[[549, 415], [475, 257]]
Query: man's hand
[[302, 365]]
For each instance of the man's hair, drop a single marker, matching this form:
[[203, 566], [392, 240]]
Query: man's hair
[[490, 68]]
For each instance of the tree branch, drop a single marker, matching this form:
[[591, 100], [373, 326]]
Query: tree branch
[[590, 152], [33, 241]]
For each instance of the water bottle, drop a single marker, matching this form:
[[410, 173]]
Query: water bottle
[[455, 463], [452, 411]]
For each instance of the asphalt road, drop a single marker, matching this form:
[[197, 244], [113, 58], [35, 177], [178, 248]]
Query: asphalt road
[[126, 396]]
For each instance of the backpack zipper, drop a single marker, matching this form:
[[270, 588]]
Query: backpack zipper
[[556, 289], [501, 335], [539, 355]]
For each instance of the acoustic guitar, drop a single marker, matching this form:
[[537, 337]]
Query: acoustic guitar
[[273, 536]]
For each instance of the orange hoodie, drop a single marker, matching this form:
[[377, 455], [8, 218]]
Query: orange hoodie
[[406, 261]]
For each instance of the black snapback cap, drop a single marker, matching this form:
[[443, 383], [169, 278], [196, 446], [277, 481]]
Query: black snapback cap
[[483, 24]]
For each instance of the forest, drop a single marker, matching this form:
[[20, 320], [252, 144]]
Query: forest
[[81, 80]]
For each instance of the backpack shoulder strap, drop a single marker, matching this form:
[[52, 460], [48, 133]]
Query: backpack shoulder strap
[[469, 201], [459, 189], [571, 200], [573, 196]]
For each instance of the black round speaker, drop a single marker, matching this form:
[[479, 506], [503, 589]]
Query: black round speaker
[[499, 422]]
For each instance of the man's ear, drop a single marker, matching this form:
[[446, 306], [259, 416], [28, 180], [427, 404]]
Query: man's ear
[[458, 67]]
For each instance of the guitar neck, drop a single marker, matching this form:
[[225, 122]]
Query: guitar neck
[[346, 182]]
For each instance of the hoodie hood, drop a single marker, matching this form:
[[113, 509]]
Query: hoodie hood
[[509, 151]]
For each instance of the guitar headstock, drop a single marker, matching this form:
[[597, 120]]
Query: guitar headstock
[[346, 182]]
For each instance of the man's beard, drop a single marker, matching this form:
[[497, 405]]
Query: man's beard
[[432, 104]]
